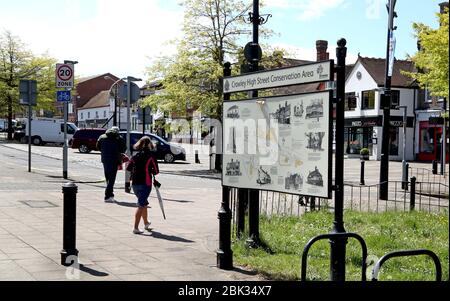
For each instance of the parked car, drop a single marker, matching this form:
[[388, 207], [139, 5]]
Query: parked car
[[165, 150], [85, 140], [44, 130]]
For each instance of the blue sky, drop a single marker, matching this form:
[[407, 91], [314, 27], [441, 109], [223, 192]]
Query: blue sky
[[123, 37]]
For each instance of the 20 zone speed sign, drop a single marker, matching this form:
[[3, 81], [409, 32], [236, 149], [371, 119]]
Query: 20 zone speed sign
[[64, 76]]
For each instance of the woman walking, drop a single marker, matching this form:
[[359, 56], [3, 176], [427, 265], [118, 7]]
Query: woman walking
[[143, 166]]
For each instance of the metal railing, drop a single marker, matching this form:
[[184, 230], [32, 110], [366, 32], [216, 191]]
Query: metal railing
[[424, 196], [427, 176]]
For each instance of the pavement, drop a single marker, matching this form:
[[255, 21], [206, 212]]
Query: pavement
[[181, 248]]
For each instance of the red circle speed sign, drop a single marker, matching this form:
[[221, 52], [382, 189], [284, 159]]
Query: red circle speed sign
[[64, 72]]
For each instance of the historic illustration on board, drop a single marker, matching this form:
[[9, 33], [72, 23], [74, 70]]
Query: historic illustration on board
[[234, 168], [315, 178], [264, 177]]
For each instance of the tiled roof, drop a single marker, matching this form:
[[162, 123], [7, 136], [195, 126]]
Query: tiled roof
[[98, 101], [377, 69]]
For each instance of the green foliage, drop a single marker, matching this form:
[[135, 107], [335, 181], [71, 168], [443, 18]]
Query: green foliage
[[433, 57], [213, 31], [365, 152], [16, 63], [284, 239]]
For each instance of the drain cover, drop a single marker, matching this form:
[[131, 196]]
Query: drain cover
[[39, 204]]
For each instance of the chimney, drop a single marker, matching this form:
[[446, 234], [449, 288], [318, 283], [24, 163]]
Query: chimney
[[322, 54]]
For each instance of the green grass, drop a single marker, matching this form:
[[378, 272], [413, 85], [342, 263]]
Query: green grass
[[284, 239]]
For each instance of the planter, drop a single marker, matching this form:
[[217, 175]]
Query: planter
[[365, 157]]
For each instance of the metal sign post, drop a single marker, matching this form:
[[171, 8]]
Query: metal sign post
[[65, 79], [28, 96]]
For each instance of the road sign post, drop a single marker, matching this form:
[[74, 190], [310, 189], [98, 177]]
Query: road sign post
[[65, 75], [28, 96]]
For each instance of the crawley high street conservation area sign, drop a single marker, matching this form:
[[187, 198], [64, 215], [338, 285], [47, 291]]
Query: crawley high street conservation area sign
[[281, 144], [309, 73]]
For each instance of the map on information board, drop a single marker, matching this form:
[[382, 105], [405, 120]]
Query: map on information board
[[279, 144]]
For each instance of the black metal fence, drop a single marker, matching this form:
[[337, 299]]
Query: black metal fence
[[421, 196], [425, 175]]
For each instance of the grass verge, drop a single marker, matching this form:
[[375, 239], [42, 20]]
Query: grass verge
[[284, 239]]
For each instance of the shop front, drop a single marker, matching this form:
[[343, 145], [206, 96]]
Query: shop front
[[366, 133], [430, 142]]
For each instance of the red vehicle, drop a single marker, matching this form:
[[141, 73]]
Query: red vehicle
[[85, 140]]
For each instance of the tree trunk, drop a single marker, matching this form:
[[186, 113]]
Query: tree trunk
[[10, 117]]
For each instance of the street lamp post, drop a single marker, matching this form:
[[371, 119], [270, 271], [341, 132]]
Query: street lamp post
[[404, 166], [66, 144], [115, 96], [386, 104], [130, 79]]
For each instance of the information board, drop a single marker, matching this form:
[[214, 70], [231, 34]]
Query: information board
[[281, 144]]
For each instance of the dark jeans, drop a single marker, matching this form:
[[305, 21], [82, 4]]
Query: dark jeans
[[110, 175]]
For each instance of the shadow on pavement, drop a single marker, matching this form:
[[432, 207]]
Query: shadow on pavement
[[92, 272], [158, 235], [176, 201], [125, 204]]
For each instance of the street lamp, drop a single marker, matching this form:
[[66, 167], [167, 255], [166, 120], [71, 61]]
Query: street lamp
[[66, 146], [115, 97], [130, 79], [404, 167]]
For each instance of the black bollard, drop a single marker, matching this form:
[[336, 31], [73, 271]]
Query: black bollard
[[435, 167], [405, 183], [225, 254], [197, 159], [412, 194], [362, 180], [69, 254]]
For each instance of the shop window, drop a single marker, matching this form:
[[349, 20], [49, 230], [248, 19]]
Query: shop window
[[394, 141], [368, 100], [357, 139], [427, 140]]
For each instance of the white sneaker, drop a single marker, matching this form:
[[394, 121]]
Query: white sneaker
[[110, 200], [137, 232], [148, 227]]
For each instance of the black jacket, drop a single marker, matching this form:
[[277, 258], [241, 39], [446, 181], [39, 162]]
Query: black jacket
[[112, 147], [142, 166]]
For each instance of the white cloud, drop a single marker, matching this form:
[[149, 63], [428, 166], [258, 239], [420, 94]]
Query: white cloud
[[106, 36], [310, 9]]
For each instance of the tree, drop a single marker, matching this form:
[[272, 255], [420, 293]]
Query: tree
[[213, 31], [432, 57], [16, 63]]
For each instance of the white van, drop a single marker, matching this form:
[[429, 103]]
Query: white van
[[48, 130]]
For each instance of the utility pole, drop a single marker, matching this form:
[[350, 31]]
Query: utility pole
[[386, 101]]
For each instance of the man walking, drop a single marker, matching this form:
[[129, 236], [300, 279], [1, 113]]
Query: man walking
[[112, 147]]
